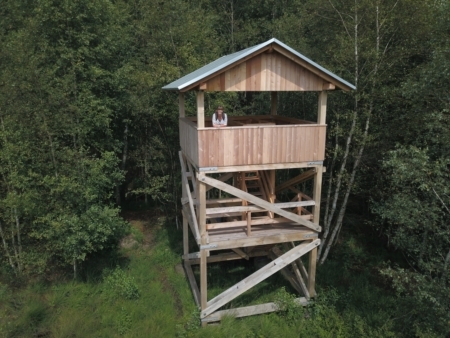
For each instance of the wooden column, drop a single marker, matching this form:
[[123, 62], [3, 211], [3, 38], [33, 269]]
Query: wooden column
[[273, 103], [185, 222], [181, 104], [200, 109], [201, 189], [317, 192], [322, 108]]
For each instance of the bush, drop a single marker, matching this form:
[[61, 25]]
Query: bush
[[119, 284]]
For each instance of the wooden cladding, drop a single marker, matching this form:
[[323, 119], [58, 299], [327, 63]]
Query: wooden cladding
[[267, 72], [189, 139], [252, 145]]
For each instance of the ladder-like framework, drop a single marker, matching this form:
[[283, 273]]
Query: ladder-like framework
[[248, 224]]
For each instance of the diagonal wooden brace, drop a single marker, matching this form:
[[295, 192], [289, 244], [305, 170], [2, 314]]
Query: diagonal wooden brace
[[194, 223], [259, 202], [257, 277]]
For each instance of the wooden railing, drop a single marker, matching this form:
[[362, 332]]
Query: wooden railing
[[252, 144]]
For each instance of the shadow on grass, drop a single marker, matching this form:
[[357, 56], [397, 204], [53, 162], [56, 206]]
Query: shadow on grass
[[93, 268]]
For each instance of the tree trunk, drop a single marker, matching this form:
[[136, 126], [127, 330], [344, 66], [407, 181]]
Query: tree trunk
[[5, 246]]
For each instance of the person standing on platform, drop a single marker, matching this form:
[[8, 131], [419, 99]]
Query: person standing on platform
[[219, 118]]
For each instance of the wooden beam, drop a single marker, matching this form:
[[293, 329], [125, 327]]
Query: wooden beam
[[192, 223], [301, 283], [185, 236], [301, 266], [295, 204], [229, 256], [192, 282], [257, 277], [201, 189], [296, 180], [222, 178], [277, 220], [273, 103], [188, 192], [203, 86], [328, 86], [223, 200], [250, 310], [255, 167], [255, 240], [193, 178], [193, 255], [259, 202], [322, 108], [241, 253], [312, 272], [181, 104], [200, 109], [317, 192], [286, 273]]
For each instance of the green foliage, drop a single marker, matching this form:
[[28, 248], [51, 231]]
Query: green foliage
[[119, 284], [289, 309]]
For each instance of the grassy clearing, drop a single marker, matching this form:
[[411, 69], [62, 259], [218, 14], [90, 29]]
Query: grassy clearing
[[142, 292]]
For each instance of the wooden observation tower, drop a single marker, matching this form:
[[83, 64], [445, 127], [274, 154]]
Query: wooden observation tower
[[241, 160]]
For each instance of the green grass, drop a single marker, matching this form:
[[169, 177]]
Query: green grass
[[141, 292]]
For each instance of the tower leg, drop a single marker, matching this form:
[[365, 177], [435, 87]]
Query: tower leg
[[204, 240], [316, 214]]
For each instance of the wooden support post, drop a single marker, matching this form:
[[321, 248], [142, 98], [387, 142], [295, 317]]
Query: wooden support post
[[181, 104], [185, 236], [192, 282], [312, 272], [272, 185], [249, 223], [185, 221], [201, 198], [322, 108], [200, 109], [273, 103], [317, 191]]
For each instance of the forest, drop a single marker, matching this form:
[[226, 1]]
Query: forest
[[89, 159]]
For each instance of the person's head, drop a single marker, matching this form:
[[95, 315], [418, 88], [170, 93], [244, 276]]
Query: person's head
[[219, 110]]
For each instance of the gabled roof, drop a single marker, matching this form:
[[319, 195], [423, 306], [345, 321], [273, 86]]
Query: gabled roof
[[200, 75]]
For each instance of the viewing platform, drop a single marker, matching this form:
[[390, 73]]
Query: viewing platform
[[252, 140], [235, 205]]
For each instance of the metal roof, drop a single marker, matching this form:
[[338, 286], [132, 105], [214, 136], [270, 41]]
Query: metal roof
[[224, 61]]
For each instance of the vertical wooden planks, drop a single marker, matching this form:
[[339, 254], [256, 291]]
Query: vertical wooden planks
[[200, 109], [263, 73], [267, 72], [256, 73], [266, 145], [277, 71], [253, 145]]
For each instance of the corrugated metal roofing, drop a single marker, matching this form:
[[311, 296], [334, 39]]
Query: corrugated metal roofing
[[225, 61]]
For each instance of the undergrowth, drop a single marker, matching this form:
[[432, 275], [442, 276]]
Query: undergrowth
[[143, 292]]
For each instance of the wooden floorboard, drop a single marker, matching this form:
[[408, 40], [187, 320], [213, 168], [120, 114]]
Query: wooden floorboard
[[261, 235]]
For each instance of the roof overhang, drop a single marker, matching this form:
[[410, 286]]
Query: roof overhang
[[196, 78]]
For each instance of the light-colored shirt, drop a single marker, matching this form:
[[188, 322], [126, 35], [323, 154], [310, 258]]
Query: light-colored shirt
[[222, 122]]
